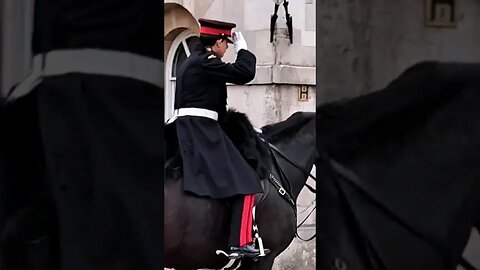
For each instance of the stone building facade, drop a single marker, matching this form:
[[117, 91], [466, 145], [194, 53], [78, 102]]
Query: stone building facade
[[363, 45]]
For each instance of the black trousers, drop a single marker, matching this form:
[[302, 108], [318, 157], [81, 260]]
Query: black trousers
[[103, 144], [241, 224]]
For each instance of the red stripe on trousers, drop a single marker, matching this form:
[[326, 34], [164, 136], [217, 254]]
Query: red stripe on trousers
[[250, 220], [246, 224]]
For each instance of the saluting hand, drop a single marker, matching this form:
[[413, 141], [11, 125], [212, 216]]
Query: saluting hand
[[239, 42]]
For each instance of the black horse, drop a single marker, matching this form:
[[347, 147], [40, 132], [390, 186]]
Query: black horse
[[399, 172], [196, 227]]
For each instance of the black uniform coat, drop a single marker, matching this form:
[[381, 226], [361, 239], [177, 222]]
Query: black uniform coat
[[102, 136], [213, 166]]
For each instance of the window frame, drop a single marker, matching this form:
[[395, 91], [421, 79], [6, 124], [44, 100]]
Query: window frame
[[170, 81]]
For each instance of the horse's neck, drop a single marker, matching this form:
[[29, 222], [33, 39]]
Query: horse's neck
[[299, 149]]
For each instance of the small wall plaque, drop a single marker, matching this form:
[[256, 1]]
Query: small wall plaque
[[303, 93], [440, 13]]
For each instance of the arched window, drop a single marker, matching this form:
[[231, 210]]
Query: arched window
[[180, 49]]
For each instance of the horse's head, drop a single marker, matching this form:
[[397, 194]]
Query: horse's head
[[295, 138], [402, 149]]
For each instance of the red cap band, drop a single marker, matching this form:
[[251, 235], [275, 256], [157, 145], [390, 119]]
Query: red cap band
[[214, 31]]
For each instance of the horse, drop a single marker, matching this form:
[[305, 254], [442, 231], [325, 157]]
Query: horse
[[196, 227], [398, 169]]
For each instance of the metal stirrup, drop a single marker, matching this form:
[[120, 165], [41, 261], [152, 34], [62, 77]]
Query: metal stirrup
[[257, 235]]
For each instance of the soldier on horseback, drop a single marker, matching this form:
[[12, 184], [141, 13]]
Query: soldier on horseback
[[212, 165]]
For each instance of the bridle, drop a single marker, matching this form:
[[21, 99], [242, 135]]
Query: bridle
[[284, 186]]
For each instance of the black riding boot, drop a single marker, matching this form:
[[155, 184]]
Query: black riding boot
[[241, 242]]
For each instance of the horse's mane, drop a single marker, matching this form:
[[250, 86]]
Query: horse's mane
[[287, 128], [403, 105], [240, 130]]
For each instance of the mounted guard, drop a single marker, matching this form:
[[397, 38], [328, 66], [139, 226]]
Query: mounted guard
[[212, 165]]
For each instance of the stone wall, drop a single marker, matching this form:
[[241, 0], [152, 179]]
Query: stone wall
[[16, 25], [364, 44]]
